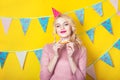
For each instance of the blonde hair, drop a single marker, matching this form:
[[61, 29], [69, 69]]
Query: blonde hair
[[74, 38]]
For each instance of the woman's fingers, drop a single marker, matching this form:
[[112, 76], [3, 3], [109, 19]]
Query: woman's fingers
[[57, 46], [70, 48], [70, 45]]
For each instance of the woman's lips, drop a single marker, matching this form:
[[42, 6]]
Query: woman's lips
[[62, 31]]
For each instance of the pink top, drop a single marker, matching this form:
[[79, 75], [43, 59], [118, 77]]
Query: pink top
[[62, 70]]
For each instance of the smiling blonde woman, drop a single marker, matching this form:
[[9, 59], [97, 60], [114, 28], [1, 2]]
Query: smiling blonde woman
[[65, 59]]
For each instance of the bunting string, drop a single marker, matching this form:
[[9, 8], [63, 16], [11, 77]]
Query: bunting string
[[98, 24], [104, 52], [104, 57], [68, 12]]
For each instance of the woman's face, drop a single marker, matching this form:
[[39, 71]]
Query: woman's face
[[63, 27]]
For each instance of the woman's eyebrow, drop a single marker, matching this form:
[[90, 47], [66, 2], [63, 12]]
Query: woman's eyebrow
[[57, 24], [66, 22]]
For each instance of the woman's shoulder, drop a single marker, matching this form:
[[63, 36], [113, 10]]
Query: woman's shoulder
[[48, 49], [81, 49]]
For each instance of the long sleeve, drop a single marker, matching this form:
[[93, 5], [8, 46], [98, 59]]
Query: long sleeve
[[45, 74], [80, 73]]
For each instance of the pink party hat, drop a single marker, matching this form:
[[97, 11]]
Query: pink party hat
[[56, 13]]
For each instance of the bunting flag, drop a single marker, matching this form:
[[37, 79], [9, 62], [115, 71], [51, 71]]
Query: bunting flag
[[80, 15], [107, 25], [107, 59], [3, 56], [44, 22], [91, 71], [90, 33], [38, 53], [25, 23], [117, 44], [115, 4], [98, 8], [6, 24], [118, 13], [21, 57]]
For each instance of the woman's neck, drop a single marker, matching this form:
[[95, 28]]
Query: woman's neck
[[63, 40]]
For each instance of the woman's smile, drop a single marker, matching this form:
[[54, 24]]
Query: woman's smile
[[63, 31]]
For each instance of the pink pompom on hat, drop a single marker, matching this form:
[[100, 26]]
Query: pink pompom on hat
[[56, 13]]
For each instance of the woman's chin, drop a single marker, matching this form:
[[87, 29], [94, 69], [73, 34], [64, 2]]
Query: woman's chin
[[64, 36]]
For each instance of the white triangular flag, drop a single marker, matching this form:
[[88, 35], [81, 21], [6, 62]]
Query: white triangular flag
[[21, 57], [118, 13], [91, 71], [6, 24], [115, 4]]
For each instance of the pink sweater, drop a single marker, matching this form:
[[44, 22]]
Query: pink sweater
[[62, 70]]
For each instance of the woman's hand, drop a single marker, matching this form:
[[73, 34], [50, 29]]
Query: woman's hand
[[70, 48], [70, 51], [53, 61], [56, 48]]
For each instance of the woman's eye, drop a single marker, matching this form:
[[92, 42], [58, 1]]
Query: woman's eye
[[57, 26], [66, 24]]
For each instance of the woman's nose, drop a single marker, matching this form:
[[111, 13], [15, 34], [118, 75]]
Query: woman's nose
[[62, 27]]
